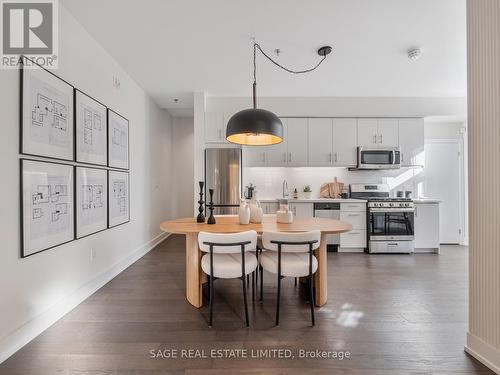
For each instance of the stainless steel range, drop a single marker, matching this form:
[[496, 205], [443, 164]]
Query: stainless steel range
[[390, 221]]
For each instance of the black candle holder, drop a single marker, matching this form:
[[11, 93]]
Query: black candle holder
[[201, 217], [211, 218]]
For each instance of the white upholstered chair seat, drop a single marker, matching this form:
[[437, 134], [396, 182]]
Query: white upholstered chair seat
[[228, 266], [292, 264]]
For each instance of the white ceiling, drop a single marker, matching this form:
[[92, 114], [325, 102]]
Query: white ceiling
[[176, 47]]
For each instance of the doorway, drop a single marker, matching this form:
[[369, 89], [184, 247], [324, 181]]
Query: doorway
[[443, 180]]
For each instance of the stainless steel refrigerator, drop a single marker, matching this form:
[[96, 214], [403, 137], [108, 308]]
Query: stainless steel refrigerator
[[223, 174]]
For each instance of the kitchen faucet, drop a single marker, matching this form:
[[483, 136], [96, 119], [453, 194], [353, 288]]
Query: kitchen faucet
[[285, 189]]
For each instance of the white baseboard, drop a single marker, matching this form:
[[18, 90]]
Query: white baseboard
[[483, 352], [27, 332]]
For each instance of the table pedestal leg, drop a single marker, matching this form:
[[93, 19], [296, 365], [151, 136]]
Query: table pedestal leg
[[194, 274], [320, 277]]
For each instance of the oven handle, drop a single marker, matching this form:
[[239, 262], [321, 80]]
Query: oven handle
[[373, 209]]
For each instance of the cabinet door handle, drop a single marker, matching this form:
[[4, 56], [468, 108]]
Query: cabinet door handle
[[353, 215], [290, 157], [416, 211], [336, 157], [284, 157], [330, 157], [294, 211], [402, 157], [374, 138]]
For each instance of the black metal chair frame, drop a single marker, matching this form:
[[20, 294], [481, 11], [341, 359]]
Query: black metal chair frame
[[212, 278], [311, 296]]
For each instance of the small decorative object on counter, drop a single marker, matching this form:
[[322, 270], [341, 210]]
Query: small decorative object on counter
[[284, 215], [256, 212], [211, 218], [249, 191], [408, 194], [295, 194], [307, 192], [345, 193], [331, 189], [201, 217], [400, 194], [244, 212]]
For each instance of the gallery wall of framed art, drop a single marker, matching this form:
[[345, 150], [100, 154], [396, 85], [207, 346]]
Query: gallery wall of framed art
[[78, 185]]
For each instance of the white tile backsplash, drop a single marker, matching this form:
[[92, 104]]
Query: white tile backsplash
[[269, 180]]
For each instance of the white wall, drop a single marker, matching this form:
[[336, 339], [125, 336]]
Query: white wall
[[182, 160], [37, 290]]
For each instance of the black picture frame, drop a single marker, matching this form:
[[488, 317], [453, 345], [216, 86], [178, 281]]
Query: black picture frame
[[76, 204], [109, 200], [23, 253], [77, 91], [110, 138], [22, 72]]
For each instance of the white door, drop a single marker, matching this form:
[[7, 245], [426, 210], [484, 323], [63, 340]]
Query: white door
[[388, 134], [214, 127], [320, 142], [442, 181], [276, 155], [411, 141], [344, 142], [367, 131], [297, 129], [254, 156]]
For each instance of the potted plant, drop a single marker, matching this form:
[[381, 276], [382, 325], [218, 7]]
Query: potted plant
[[307, 192]]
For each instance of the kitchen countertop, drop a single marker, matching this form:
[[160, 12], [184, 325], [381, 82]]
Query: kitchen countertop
[[426, 200], [316, 200]]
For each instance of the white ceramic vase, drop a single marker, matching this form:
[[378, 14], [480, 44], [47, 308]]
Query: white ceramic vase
[[244, 213], [256, 212]]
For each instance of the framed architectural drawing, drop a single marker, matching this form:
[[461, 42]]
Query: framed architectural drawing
[[91, 203], [47, 122], [91, 130], [47, 214], [118, 198], [118, 145]]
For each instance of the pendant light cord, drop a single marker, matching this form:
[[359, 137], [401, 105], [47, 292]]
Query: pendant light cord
[[256, 47]]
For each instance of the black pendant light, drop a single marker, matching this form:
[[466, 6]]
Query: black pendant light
[[259, 127]]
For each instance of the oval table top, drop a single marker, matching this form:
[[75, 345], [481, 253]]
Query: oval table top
[[230, 224]]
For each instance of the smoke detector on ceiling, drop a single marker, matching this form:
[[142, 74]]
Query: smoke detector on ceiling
[[414, 53]]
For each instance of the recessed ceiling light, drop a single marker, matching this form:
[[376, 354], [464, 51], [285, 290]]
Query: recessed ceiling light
[[414, 53], [176, 100]]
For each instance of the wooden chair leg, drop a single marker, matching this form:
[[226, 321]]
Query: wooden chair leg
[[245, 300], [253, 286], [261, 284], [311, 299], [211, 300]]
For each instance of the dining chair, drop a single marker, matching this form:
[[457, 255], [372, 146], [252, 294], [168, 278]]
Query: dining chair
[[290, 255], [228, 257]]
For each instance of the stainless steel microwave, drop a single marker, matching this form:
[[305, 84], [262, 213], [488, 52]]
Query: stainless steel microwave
[[378, 157]]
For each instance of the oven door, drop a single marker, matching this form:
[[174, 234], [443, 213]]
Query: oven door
[[387, 224], [378, 158]]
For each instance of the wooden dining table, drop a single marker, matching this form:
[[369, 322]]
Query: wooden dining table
[[195, 277]]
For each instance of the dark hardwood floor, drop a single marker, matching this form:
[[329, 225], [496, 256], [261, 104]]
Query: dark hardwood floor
[[395, 314]]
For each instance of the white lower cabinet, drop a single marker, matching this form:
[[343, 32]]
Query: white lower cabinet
[[269, 207], [302, 209], [426, 227], [354, 214]]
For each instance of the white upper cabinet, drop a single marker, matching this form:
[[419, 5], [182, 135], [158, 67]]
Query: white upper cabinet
[[320, 142], [367, 131], [254, 156], [378, 132], [411, 141], [344, 132], [276, 155], [215, 128], [388, 133], [296, 140]]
